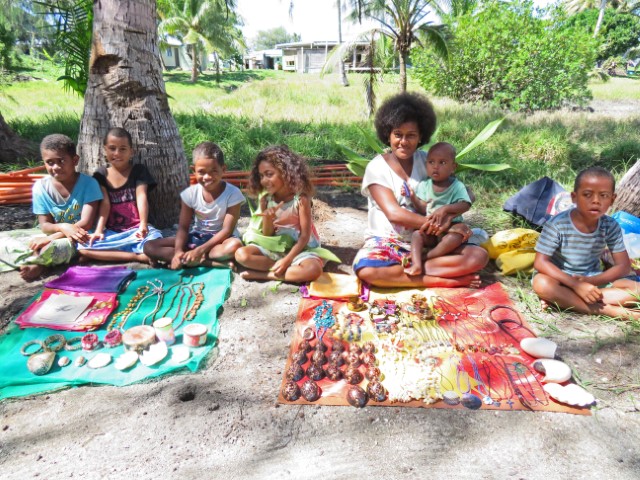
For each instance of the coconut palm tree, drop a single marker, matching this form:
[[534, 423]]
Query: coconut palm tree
[[202, 25], [575, 6], [405, 23]]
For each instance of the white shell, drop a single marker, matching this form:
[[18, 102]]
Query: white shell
[[127, 360], [539, 347], [571, 394], [554, 371], [40, 363], [64, 361], [180, 353], [100, 360], [79, 361], [154, 354]]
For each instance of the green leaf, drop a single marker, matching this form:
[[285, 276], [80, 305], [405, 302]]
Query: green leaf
[[482, 137], [485, 167], [243, 302], [356, 163], [372, 141]]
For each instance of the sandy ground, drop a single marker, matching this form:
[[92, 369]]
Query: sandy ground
[[224, 422]]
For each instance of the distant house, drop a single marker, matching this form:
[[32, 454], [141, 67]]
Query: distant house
[[176, 55], [263, 59], [303, 57]]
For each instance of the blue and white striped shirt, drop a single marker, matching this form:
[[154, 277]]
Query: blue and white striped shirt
[[578, 253]]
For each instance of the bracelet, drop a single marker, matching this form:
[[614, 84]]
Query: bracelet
[[113, 338], [58, 341], [23, 350], [73, 344], [89, 341]]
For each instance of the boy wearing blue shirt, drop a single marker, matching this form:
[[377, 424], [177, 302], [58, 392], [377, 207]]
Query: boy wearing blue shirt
[[569, 272]]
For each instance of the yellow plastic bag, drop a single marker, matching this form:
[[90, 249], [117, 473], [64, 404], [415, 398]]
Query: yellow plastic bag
[[509, 240], [520, 260]]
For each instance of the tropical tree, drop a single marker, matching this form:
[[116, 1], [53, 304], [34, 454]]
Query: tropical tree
[[266, 39], [203, 25], [405, 23], [126, 89], [575, 6], [629, 191], [12, 146]]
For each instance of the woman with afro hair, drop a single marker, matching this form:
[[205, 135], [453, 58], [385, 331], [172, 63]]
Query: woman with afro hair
[[405, 122]]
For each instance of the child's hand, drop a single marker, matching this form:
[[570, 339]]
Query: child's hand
[[192, 257], [39, 243], [95, 236], [143, 231], [75, 233], [436, 223], [270, 213], [280, 267], [176, 261], [587, 292]]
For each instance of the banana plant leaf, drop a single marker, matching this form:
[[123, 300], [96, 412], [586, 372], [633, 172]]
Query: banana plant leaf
[[482, 137]]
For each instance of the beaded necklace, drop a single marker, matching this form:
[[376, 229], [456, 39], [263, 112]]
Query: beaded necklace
[[323, 319], [132, 307], [196, 290]]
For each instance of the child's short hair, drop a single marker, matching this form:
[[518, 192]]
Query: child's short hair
[[57, 142], [209, 150], [443, 146], [293, 168], [594, 172], [118, 133], [403, 108]]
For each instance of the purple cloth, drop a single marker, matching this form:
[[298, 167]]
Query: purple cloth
[[93, 279]]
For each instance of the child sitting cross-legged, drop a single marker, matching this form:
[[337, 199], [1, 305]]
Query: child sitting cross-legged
[[568, 268], [440, 197], [213, 206]]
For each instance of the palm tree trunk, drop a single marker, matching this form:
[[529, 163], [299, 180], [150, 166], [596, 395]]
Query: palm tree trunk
[[14, 147], [194, 66], [403, 71], [629, 191], [603, 5], [126, 89], [343, 74], [217, 60]]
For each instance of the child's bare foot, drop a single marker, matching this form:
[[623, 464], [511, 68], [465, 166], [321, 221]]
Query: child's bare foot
[[470, 281], [413, 270], [258, 275], [544, 306], [31, 272]]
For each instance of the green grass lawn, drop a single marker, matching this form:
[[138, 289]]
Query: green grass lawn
[[248, 111]]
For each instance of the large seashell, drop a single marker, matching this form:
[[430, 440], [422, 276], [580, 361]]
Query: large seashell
[[571, 394], [337, 345], [40, 363], [305, 346], [355, 348], [357, 397], [376, 391], [308, 334], [310, 391], [372, 373], [353, 359], [321, 346], [295, 372], [315, 372], [333, 372], [155, 354], [100, 360], [64, 361], [555, 371], [291, 391], [336, 358], [539, 347], [80, 361], [451, 398], [368, 358], [470, 401], [127, 360], [319, 357], [180, 353], [299, 357], [353, 376], [369, 347]]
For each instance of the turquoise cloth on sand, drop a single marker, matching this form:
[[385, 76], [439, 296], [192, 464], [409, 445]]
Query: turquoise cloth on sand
[[17, 381]]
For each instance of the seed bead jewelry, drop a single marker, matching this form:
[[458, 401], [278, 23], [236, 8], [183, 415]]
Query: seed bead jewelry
[[24, 352], [185, 290], [197, 289], [132, 306], [54, 343], [158, 290], [73, 344], [179, 291], [323, 319]]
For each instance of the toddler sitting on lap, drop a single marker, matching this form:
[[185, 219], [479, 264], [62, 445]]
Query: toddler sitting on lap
[[568, 269]]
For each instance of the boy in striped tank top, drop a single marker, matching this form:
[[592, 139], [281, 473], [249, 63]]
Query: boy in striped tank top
[[568, 269]]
